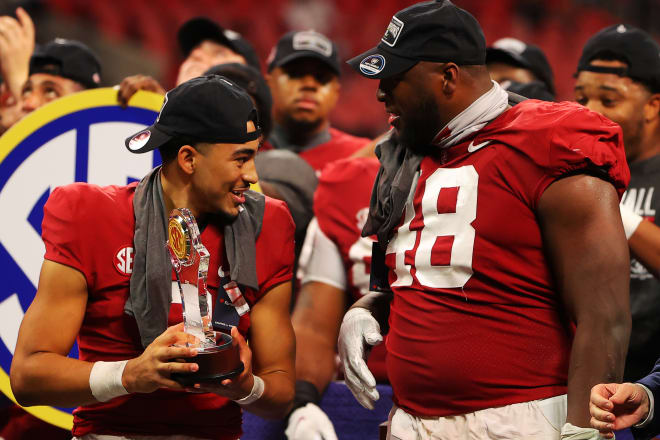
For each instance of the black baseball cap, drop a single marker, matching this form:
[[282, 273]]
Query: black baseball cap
[[520, 54], [630, 44], [436, 31], [304, 44], [198, 29], [69, 59], [254, 83], [208, 108]]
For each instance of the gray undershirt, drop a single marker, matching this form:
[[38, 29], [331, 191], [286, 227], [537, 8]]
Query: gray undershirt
[[280, 140]]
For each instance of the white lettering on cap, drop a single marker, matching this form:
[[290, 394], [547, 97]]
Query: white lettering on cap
[[310, 40], [621, 29], [510, 45], [393, 31]]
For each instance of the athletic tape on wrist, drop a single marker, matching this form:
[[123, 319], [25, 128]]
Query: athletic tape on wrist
[[306, 392], [105, 380], [630, 221], [257, 390]]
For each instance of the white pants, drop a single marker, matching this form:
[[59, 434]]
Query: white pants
[[535, 420]]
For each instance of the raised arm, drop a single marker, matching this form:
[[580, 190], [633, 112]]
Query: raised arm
[[584, 239]]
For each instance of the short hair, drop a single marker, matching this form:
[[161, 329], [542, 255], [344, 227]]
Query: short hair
[[170, 149]]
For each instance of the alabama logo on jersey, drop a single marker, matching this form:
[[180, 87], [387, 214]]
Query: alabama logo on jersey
[[78, 138]]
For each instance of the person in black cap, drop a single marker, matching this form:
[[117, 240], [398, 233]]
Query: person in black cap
[[59, 68], [204, 44], [484, 212], [521, 68], [618, 75], [107, 280], [303, 75]]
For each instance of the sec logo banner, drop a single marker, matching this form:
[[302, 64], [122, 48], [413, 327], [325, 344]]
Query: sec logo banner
[[78, 138]]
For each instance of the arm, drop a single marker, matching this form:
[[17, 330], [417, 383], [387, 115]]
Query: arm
[[16, 47], [645, 246], [41, 372], [316, 319], [584, 239], [273, 348]]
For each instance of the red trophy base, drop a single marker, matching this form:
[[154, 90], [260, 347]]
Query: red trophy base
[[215, 364]]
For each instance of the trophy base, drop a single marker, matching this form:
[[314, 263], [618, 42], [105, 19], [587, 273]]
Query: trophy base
[[215, 364]]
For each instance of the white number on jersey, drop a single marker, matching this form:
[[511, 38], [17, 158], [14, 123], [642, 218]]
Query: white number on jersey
[[443, 258]]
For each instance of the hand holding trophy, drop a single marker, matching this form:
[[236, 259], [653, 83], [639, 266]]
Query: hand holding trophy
[[218, 356]]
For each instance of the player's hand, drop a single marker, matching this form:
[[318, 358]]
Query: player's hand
[[152, 369], [615, 406], [16, 47], [309, 422], [359, 331], [236, 387], [131, 84]]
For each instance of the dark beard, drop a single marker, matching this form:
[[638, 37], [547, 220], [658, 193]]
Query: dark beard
[[218, 218], [297, 130], [420, 126]]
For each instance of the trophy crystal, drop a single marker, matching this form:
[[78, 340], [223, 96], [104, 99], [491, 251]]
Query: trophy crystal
[[217, 357]]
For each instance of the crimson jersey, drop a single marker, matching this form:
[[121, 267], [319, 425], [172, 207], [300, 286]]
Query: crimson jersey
[[90, 228], [341, 206], [339, 146], [476, 321]]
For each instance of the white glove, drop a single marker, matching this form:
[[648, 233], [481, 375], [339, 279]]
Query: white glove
[[309, 422], [358, 330], [630, 220], [571, 432]]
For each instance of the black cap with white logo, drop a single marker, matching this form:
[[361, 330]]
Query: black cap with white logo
[[304, 44], [528, 56], [198, 29], [69, 59], [436, 31], [628, 43], [206, 109]]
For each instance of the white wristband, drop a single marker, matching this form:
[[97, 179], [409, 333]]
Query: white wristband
[[105, 380], [630, 220], [257, 390]]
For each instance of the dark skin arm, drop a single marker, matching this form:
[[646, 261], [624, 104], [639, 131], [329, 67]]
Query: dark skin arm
[[586, 246], [316, 320]]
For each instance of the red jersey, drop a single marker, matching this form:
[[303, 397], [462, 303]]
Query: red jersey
[[476, 321], [91, 228], [341, 206], [339, 146]]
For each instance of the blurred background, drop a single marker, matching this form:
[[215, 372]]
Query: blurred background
[[139, 36]]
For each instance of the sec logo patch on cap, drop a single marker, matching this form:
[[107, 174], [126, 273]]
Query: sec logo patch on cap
[[372, 65]]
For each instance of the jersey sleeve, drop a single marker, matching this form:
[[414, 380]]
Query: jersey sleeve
[[63, 229], [275, 246], [585, 142], [320, 260]]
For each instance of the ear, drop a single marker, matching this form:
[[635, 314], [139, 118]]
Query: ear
[[186, 158], [652, 108], [449, 72]]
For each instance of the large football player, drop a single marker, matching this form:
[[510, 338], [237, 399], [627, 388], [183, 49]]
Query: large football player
[[506, 303]]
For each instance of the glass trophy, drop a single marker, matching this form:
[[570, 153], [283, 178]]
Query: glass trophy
[[218, 358]]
